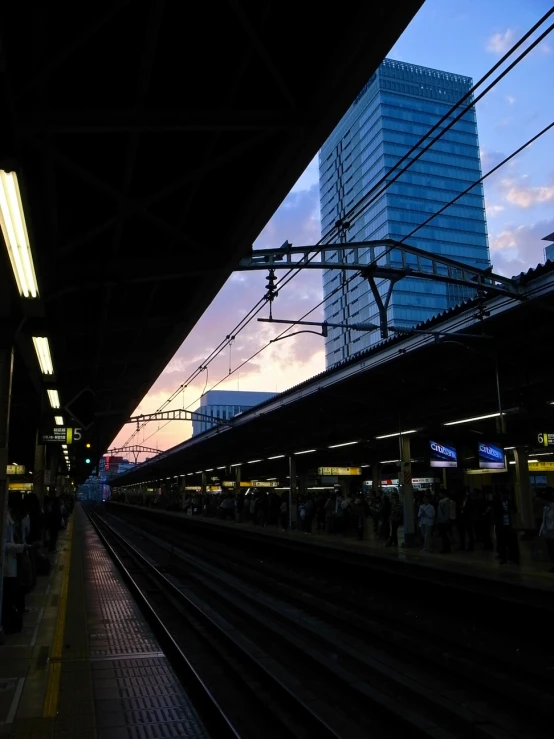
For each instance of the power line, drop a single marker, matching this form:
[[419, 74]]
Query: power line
[[357, 274], [364, 205], [384, 180]]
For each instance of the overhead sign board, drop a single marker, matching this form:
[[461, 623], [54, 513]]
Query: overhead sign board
[[545, 439], [15, 469], [61, 435], [442, 455], [228, 484], [337, 471], [541, 466], [265, 483], [491, 457], [21, 486]]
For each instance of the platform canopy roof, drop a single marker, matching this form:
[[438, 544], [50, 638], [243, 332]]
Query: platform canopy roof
[[479, 359], [152, 142]]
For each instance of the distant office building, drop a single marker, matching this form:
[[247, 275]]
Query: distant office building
[[111, 466], [224, 404], [398, 105], [549, 250]]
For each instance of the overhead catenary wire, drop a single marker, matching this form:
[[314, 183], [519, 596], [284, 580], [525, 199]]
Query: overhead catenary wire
[[364, 203], [398, 243]]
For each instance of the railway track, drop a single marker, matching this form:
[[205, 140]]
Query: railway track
[[361, 672]]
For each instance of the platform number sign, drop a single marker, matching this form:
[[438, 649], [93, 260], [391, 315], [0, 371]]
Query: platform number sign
[[545, 439]]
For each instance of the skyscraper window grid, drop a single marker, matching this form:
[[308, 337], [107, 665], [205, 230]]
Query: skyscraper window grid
[[399, 105]]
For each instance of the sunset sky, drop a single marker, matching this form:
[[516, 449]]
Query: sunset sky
[[467, 38]]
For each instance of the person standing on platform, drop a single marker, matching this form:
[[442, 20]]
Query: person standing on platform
[[13, 599], [443, 521], [540, 500], [506, 538], [396, 517], [54, 523], [426, 519], [465, 522], [547, 526]]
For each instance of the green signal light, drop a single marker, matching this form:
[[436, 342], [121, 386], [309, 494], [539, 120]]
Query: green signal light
[[87, 460]]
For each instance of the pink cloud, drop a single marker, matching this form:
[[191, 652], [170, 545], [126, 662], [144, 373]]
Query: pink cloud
[[517, 249], [282, 364]]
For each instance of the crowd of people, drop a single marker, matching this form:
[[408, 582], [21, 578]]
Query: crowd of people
[[443, 521], [30, 541]]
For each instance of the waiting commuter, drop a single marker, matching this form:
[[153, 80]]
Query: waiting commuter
[[13, 600], [54, 523], [465, 523], [426, 519], [547, 526], [444, 521], [396, 518], [284, 514], [506, 538], [358, 511], [539, 502], [385, 517]]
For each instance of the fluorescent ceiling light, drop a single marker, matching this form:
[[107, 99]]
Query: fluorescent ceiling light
[[54, 398], [198, 473], [511, 462], [306, 451], [210, 469], [364, 465], [42, 348], [475, 418], [532, 461], [277, 456], [509, 447], [281, 488], [253, 461], [346, 443], [237, 464], [14, 229], [541, 454], [389, 461], [64, 446], [58, 420], [397, 433]]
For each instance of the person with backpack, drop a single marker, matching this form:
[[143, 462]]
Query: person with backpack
[[547, 526]]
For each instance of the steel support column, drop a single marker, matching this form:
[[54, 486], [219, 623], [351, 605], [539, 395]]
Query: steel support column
[[407, 491], [6, 374], [292, 488], [524, 498], [375, 476]]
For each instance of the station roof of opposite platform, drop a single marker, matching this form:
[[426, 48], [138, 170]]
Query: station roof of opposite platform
[[416, 382], [153, 141]]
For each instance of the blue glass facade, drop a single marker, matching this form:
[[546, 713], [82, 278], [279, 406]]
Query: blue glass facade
[[398, 105]]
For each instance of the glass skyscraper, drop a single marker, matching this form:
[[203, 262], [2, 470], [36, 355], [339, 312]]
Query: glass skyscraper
[[398, 105]]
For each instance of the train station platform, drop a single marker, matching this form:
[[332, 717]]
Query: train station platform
[[482, 566], [86, 664]]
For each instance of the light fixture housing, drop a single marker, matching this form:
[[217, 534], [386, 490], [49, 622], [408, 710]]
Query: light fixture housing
[[42, 348], [54, 398], [470, 420], [16, 238], [397, 433]]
